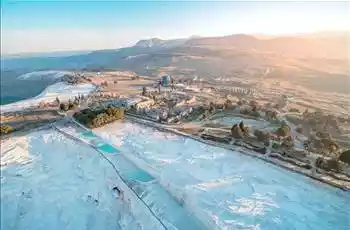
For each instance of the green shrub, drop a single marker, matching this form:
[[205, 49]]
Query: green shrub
[[284, 130]]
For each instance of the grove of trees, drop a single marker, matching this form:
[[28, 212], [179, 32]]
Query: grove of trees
[[100, 117], [5, 129]]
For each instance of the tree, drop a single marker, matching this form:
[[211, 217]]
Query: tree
[[307, 145], [329, 145], [345, 156], [72, 105], [253, 104], [245, 110], [306, 113], [284, 130], [76, 100], [236, 132], [244, 128], [63, 107], [144, 91], [211, 108], [170, 104], [241, 125], [228, 103], [271, 115], [288, 142]]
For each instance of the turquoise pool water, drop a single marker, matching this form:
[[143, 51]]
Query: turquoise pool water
[[141, 176], [88, 134], [107, 148]]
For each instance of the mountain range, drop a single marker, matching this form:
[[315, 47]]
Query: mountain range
[[199, 53]]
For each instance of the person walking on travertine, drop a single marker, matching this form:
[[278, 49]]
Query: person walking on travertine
[[120, 193]]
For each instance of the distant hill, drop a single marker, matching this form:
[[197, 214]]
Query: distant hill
[[205, 55], [150, 43], [298, 46], [159, 43]]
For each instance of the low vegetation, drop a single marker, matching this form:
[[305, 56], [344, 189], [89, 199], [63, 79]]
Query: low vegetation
[[294, 110], [322, 145], [97, 118]]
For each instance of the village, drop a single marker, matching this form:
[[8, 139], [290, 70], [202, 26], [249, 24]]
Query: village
[[240, 115]]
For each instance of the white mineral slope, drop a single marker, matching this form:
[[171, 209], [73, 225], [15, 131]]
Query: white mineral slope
[[60, 89], [232, 190], [37, 75], [51, 182]]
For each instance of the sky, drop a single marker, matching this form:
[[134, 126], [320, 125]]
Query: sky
[[47, 26]]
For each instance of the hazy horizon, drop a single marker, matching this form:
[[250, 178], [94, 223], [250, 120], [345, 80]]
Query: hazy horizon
[[46, 27]]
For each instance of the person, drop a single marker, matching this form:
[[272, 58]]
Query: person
[[119, 192]]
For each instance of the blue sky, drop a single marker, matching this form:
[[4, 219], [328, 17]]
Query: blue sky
[[38, 26]]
